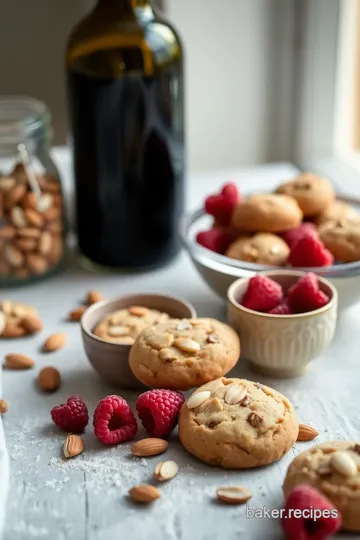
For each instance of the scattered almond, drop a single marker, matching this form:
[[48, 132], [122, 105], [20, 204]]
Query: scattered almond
[[93, 297], [32, 324], [306, 433], [55, 342], [144, 493], [187, 345], [149, 447], [138, 311], [3, 406], [49, 379], [235, 393], [233, 494], [18, 361], [73, 445], [77, 313], [342, 463], [166, 470], [197, 399]]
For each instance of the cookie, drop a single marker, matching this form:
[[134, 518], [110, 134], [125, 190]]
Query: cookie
[[312, 192], [181, 354], [263, 248], [237, 424], [342, 239], [332, 468], [124, 326], [267, 213], [336, 211]]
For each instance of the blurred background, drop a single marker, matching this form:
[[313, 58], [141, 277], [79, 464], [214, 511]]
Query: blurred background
[[267, 80]]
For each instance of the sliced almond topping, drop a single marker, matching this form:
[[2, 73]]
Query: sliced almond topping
[[138, 311], [187, 345], [343, 463], [144, 493], [235, 393], [213, 338], [197, 399], [306, 433], [117, 331], [183, 325], [161, 341], [169, 354], [214, 405], [149, 447], [254, 420], [233, 494], [166, 470], [73, 445]]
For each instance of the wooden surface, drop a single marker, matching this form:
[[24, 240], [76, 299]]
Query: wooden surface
[[85, 498]]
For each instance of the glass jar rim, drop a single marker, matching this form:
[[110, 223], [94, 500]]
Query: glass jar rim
[[23, 118]]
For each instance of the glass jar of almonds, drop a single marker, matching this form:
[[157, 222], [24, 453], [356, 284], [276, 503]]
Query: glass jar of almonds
[[32, 232]]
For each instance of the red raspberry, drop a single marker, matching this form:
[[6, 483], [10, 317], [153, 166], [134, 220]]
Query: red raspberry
[[262, 294], [71, 416], [310, 251], [282, 309], [231, 192], [158, 411], [292, 236], [311, 526], [114, 422], [217, 240], [305, 295], [222, 204]]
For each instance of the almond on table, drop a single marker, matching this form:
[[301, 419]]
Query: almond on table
[[307, 433], [49, 379], [76, 314], [149, 447], [73, 445], [18, 361], [93, 296], [54, 342], [144, 493]]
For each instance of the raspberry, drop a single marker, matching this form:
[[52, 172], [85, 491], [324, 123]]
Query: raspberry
[[158, 411], [305, 295], [217, 240], [231, 192], [222, 204], [281, 309], [262, 294], [71, 416], [319, 527], [114, 422], [310, 251], [292, 236]]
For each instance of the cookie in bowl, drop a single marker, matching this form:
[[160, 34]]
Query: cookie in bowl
[[181, 354], [237, 424], [262, 248], [312, 192]]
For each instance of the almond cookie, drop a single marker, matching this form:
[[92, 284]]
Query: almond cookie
[[237, 424], [342, 239], [263, 248], [336, 211], [267, 213], [181, 354], [125, 325], [312, 192], [332, 468]]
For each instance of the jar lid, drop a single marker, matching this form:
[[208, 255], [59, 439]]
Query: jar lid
[[23, 119]]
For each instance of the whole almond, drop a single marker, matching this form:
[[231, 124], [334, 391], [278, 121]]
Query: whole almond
[[32, 324], [343, 463], [13, 330], [29, 201], [73, 445], [92, 297], [149, 447], [29, 232], [49, 379], [26, 244], [7, 232], [36, 263], [166, 470], [3, 406], [306, 433], [13, 256], [18, 361], [233, 494], [14, 195], [55, 342], [45, 242], [197, 399], [34, 217], [144, 493], [17, 217], [77, 313], [235, 393]]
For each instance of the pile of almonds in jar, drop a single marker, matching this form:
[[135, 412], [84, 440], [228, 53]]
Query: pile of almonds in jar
[[31, 225]]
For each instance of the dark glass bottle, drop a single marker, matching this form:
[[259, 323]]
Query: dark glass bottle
[[125, 91]]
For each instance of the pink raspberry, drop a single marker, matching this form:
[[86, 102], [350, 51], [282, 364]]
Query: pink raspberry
[[292, 236], [310, 251], [158, 411], [282, 309], [221, 205], [71, 416], [217, 240], [262, 294], [306, 500], [305, 295], [114, 422]]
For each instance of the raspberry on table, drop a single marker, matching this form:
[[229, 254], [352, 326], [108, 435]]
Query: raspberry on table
[[306, 498], [215, 239], [305, 295], [114, 422], [158, 411], [71, 416], [282, 309], [222, 204], [262, 294], [310, 251], [292, 236]]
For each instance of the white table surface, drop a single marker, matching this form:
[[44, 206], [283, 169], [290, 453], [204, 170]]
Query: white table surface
[[85, 498]]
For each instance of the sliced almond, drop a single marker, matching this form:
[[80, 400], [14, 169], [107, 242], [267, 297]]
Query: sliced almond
[[214, 405], [55, 342], [36, 263], [306, 433], [13, 256], [73, 445], [235, 393], [342, 463], [17, 217], [138, 311], [197, 399], [169, 354], [183, 325], [233, 494], [3, 406], [77, 313], [161, 341], [144, 493], [44, 203], [149, 447], [18, 361], [32, 324], [45, 242], [187, 345], [117, 331], [49, 379], [93, 297], [166, 470]]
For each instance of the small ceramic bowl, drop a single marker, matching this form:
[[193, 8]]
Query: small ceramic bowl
[[282, 345], [110, 360]]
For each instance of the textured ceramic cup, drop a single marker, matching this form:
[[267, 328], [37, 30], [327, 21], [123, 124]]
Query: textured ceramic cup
[[110, 360], [282, 345]]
